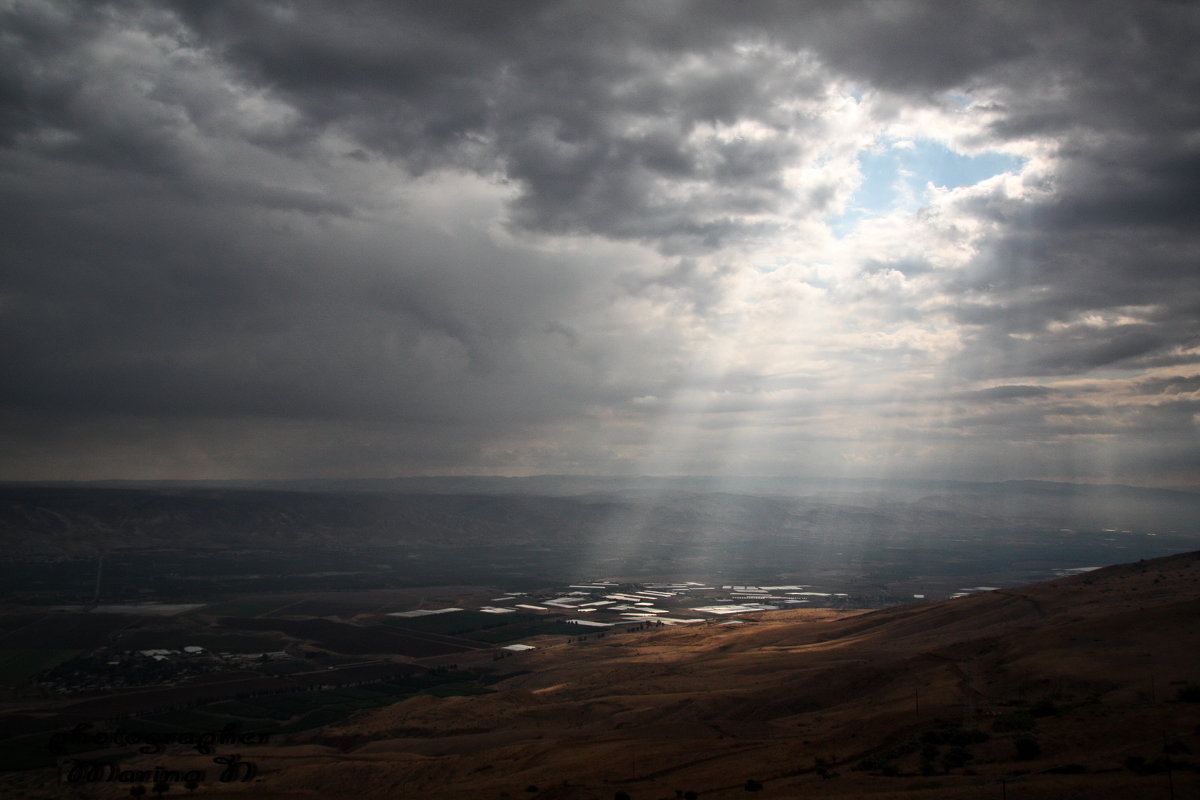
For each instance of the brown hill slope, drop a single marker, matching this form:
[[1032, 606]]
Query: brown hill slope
[[1076, 687]]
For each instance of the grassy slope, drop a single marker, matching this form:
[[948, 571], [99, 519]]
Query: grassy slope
[[708, 708]]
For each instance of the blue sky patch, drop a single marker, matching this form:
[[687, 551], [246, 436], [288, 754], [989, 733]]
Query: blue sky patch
[[896, 178]]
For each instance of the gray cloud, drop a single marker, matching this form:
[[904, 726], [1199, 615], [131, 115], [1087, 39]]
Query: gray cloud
[[403, 236], [1176, 384], [1007, 392]]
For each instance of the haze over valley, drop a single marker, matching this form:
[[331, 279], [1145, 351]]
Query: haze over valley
[[183, 543]]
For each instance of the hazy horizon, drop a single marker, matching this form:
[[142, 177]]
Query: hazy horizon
[[583, 483], [859, 240]]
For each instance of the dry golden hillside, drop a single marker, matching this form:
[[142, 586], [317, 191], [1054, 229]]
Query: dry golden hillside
[[1078, 687]]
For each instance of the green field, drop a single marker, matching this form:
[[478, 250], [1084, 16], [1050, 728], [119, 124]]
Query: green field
[[218, 642], [511, 633], [316, 718], [375, 692], [249, 607], [18, 666], [244, 710], [190, 720], [459, 622], [480, 626], [291, 703]]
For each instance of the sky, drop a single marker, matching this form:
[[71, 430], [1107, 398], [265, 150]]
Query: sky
[[349, 239]]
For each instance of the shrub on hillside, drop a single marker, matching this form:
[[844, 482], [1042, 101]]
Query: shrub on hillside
[[1017, 721], [956, 737], [1027, 748], [956, 757], [872, 763], [1189, 693], [1045, 708], [1067, 769]]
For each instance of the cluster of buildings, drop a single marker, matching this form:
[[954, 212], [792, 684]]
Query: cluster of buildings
[[107, 669]]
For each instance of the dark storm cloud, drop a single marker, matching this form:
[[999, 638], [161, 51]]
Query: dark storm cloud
[[1176, 384], [209, 211], [601, 117], [178, 321], [1077, 351], [924, 47], [1118, 93], [1055, 302]]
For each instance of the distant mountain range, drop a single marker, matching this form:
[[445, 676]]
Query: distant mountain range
[[442, 512], [587, 484]]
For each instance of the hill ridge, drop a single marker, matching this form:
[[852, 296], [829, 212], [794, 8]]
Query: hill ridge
[[1061, 664]]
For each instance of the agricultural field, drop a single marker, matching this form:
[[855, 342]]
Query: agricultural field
[[31, 643], [321, 607], [216, 642], [65, 630], [248, 607], [511, 633], [456, 623], [359, 640], [18, 666], [246, 710], [479, 626]]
